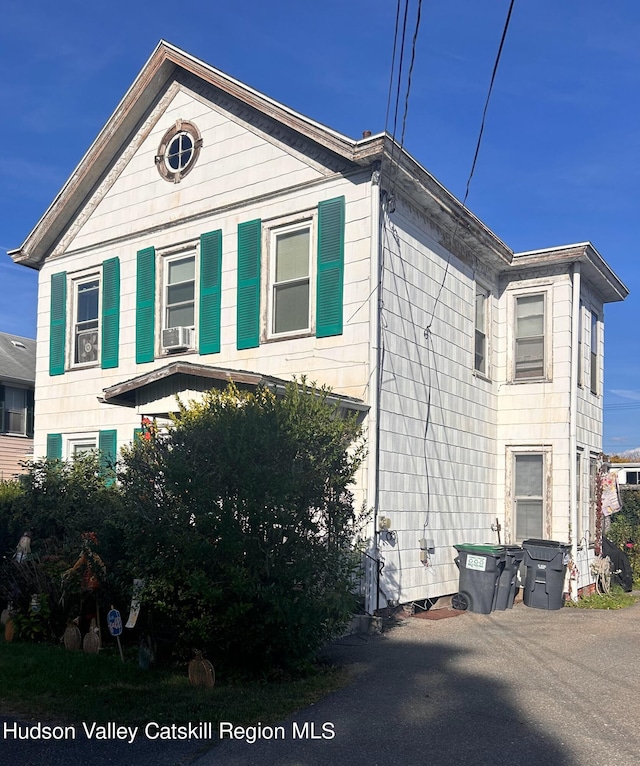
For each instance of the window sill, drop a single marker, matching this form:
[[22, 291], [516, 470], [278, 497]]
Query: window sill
[[75, 367], [520, 382], [482, 376], [15, 436], [293, 336]]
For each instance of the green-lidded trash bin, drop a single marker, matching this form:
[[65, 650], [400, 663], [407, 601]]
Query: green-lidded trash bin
[[507, 582], [480, 569], [546, 563]]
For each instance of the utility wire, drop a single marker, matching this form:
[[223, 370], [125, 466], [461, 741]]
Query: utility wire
[[475, 156]]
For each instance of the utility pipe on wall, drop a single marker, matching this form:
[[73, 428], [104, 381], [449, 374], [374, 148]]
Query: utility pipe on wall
[[375, 307], [573, 416]]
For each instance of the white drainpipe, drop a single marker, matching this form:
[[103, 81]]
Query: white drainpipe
[[573, 417], [373, 487]]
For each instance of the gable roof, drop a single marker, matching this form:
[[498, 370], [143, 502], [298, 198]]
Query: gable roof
[[465, 232], [17, 359], [165, 64]]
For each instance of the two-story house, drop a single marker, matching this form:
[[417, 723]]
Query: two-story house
[[17, 381], [213, 234]]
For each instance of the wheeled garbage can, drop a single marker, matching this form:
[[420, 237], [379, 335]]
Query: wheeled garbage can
[[546, 562], [507, 582], [480, 569]]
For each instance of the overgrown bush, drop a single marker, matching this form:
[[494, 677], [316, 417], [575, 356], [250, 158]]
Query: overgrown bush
[[66, 516], [625, 528], [241, 523]]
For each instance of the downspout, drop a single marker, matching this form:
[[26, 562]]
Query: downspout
[[573, 418], [375, 309]]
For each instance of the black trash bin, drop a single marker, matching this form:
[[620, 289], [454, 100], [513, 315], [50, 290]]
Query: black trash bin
[[546, 563], [507, 582], [480, 569]]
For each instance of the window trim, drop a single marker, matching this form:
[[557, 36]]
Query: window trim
[[520, 378], [594, 355], [180, 127], [271, 231], [77, 282], [513, 451], [542, 289], [485, 292], [594, 469], [172, 255], [84, 439], [580, 531], [4, 410]]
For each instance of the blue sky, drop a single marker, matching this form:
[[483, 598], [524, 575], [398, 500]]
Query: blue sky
[[560, 159]]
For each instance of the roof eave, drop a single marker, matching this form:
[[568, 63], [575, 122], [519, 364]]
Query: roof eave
[[595, 269], [145, 89]]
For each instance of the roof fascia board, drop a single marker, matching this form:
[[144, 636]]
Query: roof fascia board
[[594, 267], [126, 117], [447, 211], [117, 394]]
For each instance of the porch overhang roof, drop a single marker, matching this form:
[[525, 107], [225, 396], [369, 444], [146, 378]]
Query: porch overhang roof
[[126, 394]]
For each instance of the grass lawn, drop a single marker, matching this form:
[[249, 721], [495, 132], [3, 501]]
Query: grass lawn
[[49, 682], [617, 599]]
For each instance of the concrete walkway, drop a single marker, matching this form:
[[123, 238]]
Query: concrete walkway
[[524, 687]]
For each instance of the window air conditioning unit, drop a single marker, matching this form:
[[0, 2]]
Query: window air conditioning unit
[[176, 338], [87, 346]]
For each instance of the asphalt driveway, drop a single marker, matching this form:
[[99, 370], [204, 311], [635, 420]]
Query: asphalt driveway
[[524, 687]]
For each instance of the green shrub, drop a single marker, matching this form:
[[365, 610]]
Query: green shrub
[[624, 531], [58, 504], [241, 522]]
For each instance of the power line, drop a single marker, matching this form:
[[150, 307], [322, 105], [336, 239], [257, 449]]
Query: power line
[[475, 156]]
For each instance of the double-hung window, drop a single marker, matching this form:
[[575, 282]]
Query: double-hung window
[[528, 493], [290, 294], [179, 303], [84, 328], [180, 293], [529, 337], [15, 406], [481, 328], [86, 321], [593, 497], [594, 353]]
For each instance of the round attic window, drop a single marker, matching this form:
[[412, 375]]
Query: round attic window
[[178, 151]]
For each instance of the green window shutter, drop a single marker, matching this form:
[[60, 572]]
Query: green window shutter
[[107, 446], [30, 406], [110, 312], [137, 433], [330, 277], [210, 292], [54, 446], [58, 323], [2, 423], [145, 305], [248, 319]]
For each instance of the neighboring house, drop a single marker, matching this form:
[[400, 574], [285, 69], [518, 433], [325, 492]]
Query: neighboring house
[[213, 234], [17, 381], [628, 474]]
